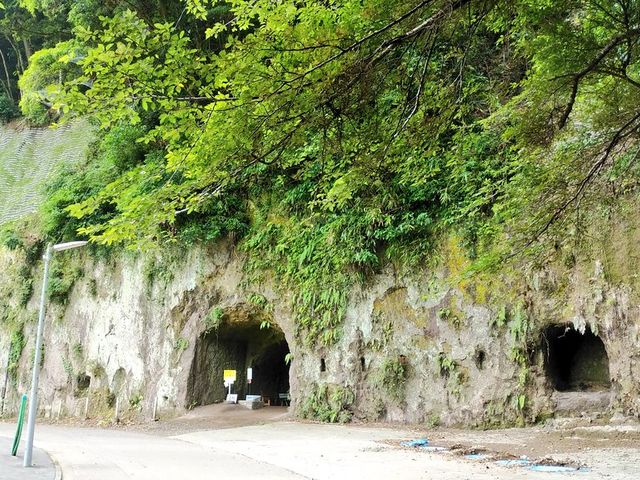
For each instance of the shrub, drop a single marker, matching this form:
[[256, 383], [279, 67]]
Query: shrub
[[393, 376], [119, 147], [328, 403], [62, 279], [115, 152], [8, 109], [10, 238], [47, 69], [15, 351]]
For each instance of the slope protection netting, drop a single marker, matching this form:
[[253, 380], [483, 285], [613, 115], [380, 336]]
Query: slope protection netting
[[29, 156]]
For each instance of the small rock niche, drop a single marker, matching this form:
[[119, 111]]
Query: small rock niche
[[575, 361]]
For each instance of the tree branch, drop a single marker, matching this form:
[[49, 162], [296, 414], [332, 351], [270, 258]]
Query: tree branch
[[388, 45], [591, 66], [593, 171]]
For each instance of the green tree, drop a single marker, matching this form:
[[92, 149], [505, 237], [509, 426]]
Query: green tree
[[337, 136]]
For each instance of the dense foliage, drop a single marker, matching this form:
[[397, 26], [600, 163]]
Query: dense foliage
[[36, 31], [335, 136]]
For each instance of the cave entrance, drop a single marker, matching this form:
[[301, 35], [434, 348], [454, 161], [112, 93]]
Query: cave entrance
[[239, 345], [574, 361]]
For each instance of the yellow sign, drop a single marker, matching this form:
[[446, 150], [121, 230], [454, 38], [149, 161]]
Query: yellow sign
[[229, 375]]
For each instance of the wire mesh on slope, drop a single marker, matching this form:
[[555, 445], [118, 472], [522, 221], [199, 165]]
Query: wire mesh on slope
[[28, 157]]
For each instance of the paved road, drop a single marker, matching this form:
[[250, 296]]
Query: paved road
[[95, 454], [282, 450], [11, 467]]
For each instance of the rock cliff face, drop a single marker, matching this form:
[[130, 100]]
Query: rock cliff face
[[428, 346]]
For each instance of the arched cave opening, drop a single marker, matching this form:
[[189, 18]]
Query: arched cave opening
[[575, 361], [239, 344]]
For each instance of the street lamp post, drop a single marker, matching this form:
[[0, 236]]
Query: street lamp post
[[33, 401]]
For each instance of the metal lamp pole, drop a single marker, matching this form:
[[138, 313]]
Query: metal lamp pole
[[33, 401]]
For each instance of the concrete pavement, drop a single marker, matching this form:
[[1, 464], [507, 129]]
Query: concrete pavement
[[11, 467], [330, 452], [110, 454]]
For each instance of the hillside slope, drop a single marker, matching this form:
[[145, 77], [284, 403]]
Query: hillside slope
[[28, 157]]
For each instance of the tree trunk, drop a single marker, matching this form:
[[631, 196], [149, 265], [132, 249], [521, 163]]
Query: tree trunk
[[6, 72], [18, 53], [27, 48]]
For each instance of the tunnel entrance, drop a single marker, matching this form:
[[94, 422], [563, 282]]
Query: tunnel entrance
[[237, 344], [575, 361]]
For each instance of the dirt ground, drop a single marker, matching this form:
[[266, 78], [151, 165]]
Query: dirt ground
[[213, 417], [607, 451]]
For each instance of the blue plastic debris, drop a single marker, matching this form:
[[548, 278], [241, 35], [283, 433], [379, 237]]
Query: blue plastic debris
[[552, 468], [476, 456], [510, 463], [420, 442], [430, 448]]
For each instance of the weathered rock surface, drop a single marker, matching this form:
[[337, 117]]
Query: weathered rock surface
[[461, 354]]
